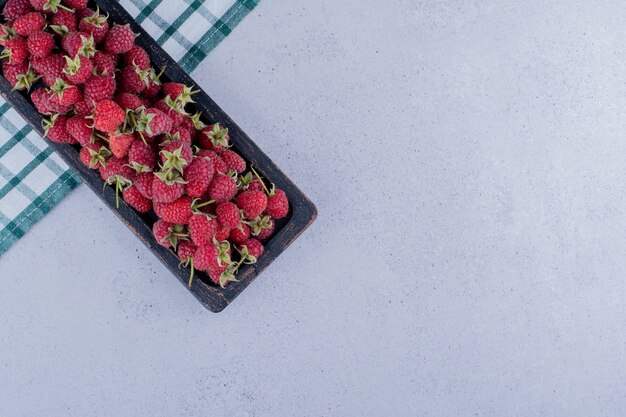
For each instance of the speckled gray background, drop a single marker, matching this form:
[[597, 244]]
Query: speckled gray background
[[468, 162]]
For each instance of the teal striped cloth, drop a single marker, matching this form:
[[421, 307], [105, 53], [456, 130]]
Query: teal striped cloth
[[33, 179]]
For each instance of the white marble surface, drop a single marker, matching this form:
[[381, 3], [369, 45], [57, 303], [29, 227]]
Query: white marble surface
[[467, 160]]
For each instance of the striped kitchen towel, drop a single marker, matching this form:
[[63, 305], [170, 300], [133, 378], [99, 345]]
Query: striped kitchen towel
[[32, 178]]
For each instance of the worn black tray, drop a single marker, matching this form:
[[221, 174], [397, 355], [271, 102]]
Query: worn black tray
[[302, 213]]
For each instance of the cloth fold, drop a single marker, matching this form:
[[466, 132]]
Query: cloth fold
[[33, 179]]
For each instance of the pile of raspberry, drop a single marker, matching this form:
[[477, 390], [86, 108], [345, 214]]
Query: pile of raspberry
[[100, 91]]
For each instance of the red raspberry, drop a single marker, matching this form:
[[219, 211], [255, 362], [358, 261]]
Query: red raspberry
[[240, 234], [104, 64], [153, 122], [168, 234], [79, 43], [178, 211], [120, 144], [119, 40], [48, 6], [268, 232], [117, 167], [154, 86], [142, 157], [78, 70], [167, 187], [233, 161], [41, 100], [108, 116], [6, 33], [99, 88], [16, 50], [136, 200], [19, 75], [137, 56], [50, 67], [228, 215], [56, 130], [222, 233], [84, 108], [214, 138], [67, 94], [222, 189], [202, 228], [198, 176], [143, 182], [178, 133], [76, 4], [186, 250], [41, 44], [16, 8], [206, 258], [176, 155], [79, 128], [255, 248], [179, 93], [93, 23], [129, 101], [64, 20], [171, 109], [29, 24], [253, 203], [218, 163], [131, 80], [277, 204], [94, 155]]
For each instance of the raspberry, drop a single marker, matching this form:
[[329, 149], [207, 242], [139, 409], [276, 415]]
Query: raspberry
[[78, 127], [202, 228], [228, 215], [56, 130], [129, 101], [240, 234], [119, 40], [16, 50], [255, 248], [233, 161], [84, 108], [108, 116], [173, 110], [94, 24], [142, 157], [198, 176], [214, 138], [218, 163], [137, 56], [120, 143], [29, 24], [19, 75], [253, 203], [76, 4], [136, 200], [48, 6], [176, 155], [104, 64], [167, 234], [153, 122], [16, 8], [94, 155], [99, 88], [67, 94], [167, 187], [41, 100], [267, 232], [79, 43], [78, 70], [206, 258], [64, 21], [50, 67], [132, 80], [40, 44], [143, 182], [178, 211], [277, 204], [222, 188]]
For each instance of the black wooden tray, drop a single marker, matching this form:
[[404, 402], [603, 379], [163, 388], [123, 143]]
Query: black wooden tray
[[302, 213]]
